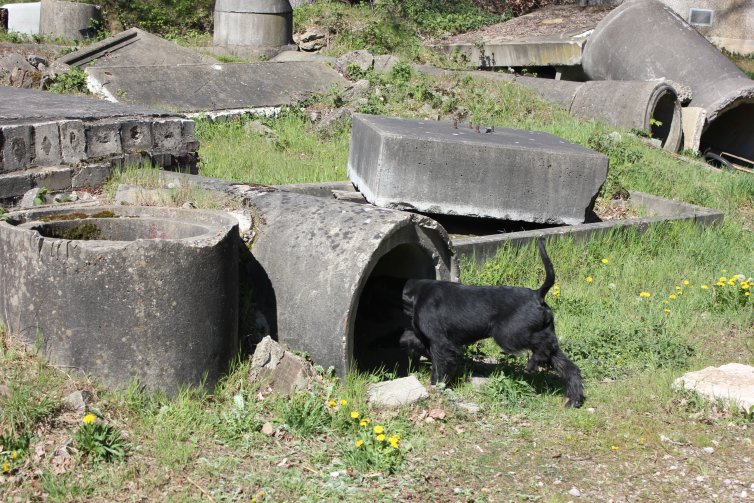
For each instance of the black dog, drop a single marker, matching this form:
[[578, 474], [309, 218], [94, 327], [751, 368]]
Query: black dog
[[446, 316]]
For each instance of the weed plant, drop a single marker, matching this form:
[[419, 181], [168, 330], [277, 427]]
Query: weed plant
[[98, 441]]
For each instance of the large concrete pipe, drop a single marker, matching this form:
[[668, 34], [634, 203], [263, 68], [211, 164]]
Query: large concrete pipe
[[72, 20], [645, 40], [314, 258], [253, 23], [651, 106], [124, 293]]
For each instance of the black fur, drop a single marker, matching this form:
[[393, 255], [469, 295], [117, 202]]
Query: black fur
[[446, 316]]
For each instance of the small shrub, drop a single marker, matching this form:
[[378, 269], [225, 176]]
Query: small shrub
[[373, 447], [242, 418], [305, 414], [98, 441], [507, 390], [71, 82]]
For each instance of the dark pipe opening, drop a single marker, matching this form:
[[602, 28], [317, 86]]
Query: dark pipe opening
[[663, 116], [733, 133], [380, 320]]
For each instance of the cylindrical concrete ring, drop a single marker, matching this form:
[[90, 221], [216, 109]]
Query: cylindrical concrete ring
[[253, 23], [124, 293]]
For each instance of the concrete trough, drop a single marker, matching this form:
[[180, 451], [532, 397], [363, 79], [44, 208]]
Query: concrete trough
[[645, 40], [124, 293], [434, 167]]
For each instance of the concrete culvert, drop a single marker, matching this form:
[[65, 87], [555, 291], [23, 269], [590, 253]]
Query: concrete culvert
[[645, 40], [253, 23], [124, 293], [318, 255]]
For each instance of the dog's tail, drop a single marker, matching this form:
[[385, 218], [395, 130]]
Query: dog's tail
[[549, 271]]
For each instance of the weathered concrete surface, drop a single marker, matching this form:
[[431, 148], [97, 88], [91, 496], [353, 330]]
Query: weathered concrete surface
[[23, 17], [253, 23], [287, 56], [507, 174], [70, 20], [731, 382], [645, 40], [531, 52], [134, 47], [202, 88], [732, 25], [403, 391], [651, 106], [275, 369], [693, 120], [154, 297]]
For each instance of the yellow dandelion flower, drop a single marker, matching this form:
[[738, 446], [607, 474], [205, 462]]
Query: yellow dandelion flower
[[569, 437], [343, 403], [6, 467], [605, 261], [704, 287], [363, 423], [645, 294], [379, 429], [589, 279], [667, 310], [680, 293], [745, 285], [89, 418], [380, 438], [614, 447], [672, 296], [355, 414], [746, 294], [722, 279], [394, 441], [678, 288], [331, 403], [720, 283], [14, 454], [359, 443]]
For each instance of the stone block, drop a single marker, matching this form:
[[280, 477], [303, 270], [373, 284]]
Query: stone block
[[47, 144], [16, 148], [14, 184], [136, 136], [693, 121], [53, 179], [168, 135], [403, 391], [733, 382], [102, 139], [72, 141], [92, 175], [508, 174]]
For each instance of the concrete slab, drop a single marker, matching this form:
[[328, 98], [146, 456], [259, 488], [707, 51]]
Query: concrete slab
[[551, 36], [204, 88], [506, 174], [134, 47], [733, 382], [24, 17]]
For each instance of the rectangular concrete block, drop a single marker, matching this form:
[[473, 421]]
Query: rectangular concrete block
[[136, 136], [92, 175], [102, 139], [72, 141], [53, 179], [14, 184], [507, 174], [168, 135], [16, 148], [47, 144]]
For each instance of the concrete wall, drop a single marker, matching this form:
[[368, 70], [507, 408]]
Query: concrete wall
[[23, 17], [732, 21]]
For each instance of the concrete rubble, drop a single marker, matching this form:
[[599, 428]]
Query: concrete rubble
[[732, 382], [645, 40], [280, 371], [403, 391], [454, 169]]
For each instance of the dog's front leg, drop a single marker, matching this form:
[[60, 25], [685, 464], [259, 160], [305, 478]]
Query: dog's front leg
[[445, 356]]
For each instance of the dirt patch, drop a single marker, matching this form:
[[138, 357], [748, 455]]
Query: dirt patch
[[552, 21]]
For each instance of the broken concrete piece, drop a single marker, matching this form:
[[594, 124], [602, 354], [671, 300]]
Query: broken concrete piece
[[134, 47], [403, 391], [312, 39], [693, 120], [733, 382], [385, 62], [203, 88], [509, 174], [285, 56], [364, 60], [279, 370], [77, 401]]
